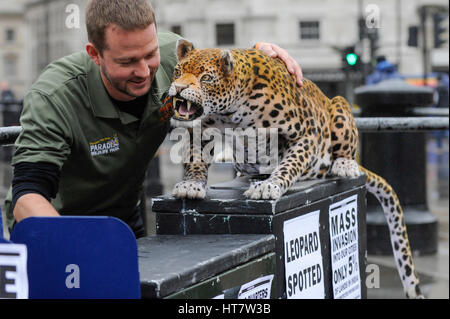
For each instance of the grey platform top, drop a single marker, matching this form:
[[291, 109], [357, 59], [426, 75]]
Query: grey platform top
[[169, 263], [228, 198]]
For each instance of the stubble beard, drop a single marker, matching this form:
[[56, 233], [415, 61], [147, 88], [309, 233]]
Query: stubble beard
[[121, 86]]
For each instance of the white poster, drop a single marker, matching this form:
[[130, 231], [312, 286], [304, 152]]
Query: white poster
[[303, 258], [257, 289], [344, 249], [13, 271]]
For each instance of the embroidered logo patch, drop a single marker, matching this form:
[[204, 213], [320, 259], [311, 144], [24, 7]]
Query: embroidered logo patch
[[105, 145]]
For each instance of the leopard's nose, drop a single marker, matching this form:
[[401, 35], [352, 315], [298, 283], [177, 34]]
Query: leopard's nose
[[180, 87]]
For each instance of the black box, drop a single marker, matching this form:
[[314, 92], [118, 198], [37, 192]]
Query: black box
[[227, 211], [207, 266]]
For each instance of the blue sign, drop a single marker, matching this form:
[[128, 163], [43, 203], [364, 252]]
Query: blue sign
[[79, 257]]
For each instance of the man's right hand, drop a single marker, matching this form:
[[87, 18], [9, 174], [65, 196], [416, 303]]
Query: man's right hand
[[32, 204]]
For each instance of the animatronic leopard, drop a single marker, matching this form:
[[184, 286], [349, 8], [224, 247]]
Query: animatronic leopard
[[318, 136]]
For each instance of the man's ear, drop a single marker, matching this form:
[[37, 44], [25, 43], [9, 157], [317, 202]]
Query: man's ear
[[93, 53], [183, 48], [227, 62]]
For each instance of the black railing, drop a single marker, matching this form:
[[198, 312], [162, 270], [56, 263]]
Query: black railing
[[365, 124]]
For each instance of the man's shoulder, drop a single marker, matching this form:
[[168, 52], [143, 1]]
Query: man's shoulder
[[167, 46], [168, 39], [60, 72]]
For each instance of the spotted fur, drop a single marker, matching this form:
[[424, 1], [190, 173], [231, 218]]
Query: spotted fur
[[317, 136]]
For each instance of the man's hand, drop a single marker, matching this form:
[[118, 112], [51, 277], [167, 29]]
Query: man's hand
[[31, 204], [275, 51]]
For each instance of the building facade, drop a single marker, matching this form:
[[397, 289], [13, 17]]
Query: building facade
[[313, 32], [13, 71], [55, 28]]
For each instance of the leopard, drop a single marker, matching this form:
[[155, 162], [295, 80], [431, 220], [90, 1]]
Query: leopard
[[317, 136]]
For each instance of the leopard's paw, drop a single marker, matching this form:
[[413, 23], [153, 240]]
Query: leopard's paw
[[413, 292], [190, 189], [263, 190], [345, 167]]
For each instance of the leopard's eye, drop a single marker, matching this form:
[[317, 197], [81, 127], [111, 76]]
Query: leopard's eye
[[206, 78], [176, 73]]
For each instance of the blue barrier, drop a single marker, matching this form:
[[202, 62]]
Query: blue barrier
[[79, 257]]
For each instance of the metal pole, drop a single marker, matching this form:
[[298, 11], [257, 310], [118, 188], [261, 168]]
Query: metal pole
[[425, 51], [399, 33], [9, 134], [401, 124]]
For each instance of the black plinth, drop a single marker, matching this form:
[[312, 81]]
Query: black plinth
[[170, 264], [227, 211], [400, 158]]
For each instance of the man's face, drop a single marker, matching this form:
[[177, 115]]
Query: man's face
[[129, 62]]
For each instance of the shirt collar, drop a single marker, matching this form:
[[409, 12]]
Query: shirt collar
[[100, 102], [157, 90]]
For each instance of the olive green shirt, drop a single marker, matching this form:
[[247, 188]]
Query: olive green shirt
[[69, 120]]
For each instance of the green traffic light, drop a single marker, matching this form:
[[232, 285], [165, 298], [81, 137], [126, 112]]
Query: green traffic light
[[351, 58]]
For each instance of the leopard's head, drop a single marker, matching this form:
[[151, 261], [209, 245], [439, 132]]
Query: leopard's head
[[201, 83]]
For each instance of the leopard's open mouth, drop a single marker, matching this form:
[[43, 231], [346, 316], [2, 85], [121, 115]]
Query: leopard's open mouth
[[186, 110]]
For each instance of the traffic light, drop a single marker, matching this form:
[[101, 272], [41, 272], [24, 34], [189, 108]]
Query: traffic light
[[440, 26], [350, 58]]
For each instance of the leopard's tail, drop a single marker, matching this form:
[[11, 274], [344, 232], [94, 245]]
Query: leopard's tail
[[397, 229]]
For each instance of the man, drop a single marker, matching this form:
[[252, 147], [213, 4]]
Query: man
[[383, 71], [93, 120]]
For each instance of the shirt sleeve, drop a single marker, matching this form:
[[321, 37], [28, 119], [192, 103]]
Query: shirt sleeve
[[40, 178], [46, 134]]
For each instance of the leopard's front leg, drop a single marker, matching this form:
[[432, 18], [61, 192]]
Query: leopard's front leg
[[195, 175], [296, 159], [194, 182]]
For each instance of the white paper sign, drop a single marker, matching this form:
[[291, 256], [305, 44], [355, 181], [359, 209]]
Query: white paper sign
[[257, 289], [344, 249], [13, 271], [303, 257]]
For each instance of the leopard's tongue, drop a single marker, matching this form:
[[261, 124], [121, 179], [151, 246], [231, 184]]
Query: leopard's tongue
[[183, 110]]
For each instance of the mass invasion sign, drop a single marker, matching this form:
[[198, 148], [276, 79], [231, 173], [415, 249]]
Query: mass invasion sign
[[344, 248]]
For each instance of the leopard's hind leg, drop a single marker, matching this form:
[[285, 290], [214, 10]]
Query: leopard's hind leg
[[344, 139]]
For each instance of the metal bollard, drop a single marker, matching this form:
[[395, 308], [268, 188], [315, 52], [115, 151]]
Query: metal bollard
[[401, 159], [153, 187], [11, 113]]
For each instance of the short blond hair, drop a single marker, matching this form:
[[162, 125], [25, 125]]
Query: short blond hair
[[126, 14]]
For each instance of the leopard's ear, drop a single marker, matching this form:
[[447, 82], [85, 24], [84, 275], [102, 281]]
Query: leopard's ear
[[227, 62], [183, 48]]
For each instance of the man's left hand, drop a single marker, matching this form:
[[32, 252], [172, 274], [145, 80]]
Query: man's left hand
[[275, 51]]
